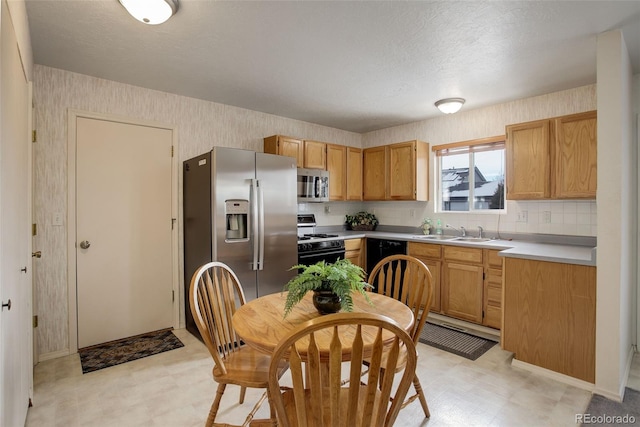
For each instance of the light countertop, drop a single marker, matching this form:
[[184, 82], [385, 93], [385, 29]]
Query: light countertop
[[512, 248]]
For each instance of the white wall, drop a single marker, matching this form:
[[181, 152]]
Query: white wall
[[617, 220], [200, 125]]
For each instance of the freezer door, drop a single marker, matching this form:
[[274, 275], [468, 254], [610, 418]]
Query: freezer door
[[233, 173], [276, 176]]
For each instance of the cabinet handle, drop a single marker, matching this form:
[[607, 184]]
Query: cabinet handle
[[7, 304]]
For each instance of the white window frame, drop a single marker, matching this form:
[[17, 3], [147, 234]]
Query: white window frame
[[471, 147]]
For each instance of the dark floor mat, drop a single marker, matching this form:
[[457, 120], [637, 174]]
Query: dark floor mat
[[460, 343], [125, 350]]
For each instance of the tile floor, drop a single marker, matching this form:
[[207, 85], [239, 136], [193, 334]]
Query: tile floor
[[175, 388]]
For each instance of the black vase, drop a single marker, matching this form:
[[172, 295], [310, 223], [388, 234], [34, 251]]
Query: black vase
[[326, 301]]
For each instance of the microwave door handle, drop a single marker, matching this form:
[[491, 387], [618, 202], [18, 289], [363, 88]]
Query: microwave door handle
[[317, 187], [254, 222], [260, 226]]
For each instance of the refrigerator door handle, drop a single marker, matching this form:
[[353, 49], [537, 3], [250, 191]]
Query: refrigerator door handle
[[260, 226], [254, 223]]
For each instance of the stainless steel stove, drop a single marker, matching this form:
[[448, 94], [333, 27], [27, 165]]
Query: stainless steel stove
[[314, 247]]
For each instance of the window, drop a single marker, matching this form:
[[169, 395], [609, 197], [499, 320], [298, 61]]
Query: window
[[470, 175]]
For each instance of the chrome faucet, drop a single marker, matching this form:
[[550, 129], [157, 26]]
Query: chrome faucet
[[480, 230], [462, 230]]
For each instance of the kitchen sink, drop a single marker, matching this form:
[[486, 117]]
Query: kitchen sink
[[471, 239], [434, 237]]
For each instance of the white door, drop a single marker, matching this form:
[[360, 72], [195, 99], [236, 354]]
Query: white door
[[15, 260], [123, 230]]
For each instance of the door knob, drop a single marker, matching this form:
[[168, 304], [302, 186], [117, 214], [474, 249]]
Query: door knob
[[85, 244], [37, 254], [6, 304]]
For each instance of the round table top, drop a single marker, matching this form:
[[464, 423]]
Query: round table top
[[261, 326]]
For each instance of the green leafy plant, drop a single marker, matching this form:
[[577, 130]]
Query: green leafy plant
[[341, 277], [362, 219]]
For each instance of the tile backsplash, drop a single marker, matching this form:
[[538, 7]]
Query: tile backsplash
[[561, 217]]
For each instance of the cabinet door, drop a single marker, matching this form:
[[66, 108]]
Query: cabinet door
[[354, 173], [528, 160], [285, 146], [434, 267], [353, 251], [315, 155], [462, 288], [575, 155], [337, 168], [374, 176], [402, 171], [430, 254]]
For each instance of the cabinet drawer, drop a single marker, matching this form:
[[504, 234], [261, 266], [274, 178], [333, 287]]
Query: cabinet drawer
[[425, 250], [493, 259], [456, 253], [352, 244]]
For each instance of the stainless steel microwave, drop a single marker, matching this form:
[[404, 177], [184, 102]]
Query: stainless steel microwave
[[313, 185]]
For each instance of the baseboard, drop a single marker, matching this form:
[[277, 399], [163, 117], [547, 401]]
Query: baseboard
[[623, 385], [566, 379], [53, 355], [466, 327]]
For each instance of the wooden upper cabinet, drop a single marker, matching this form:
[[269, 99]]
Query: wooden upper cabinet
[[354, 173], [575, 156], [402, 171], [315, 155], [337, 168], [374, 165], [553, 159], [404, 174], [285, 146], [528, 160]]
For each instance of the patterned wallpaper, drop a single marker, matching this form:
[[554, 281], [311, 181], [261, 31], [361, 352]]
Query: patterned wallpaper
[[201, 124]]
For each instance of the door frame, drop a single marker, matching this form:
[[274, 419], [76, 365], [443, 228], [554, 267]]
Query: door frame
[[72, 144]]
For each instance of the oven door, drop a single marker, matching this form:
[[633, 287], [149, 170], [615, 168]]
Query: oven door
[[308, 258]]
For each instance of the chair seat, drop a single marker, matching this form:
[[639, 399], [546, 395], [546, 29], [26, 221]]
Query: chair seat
[[290, 405], [247, 367]]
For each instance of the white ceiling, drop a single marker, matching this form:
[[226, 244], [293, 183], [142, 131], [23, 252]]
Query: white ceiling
[[352, 65]]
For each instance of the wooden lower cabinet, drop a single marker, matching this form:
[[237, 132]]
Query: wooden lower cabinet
[[467, 282], [550, 315], [353, 251], [431, 255], [462, 288]]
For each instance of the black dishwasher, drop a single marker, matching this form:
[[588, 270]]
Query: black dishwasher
[[377, 249]]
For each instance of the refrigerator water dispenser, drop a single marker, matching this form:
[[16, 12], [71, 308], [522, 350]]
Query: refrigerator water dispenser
[[236, 212]]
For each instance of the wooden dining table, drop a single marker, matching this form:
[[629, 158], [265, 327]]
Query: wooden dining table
[[261, 325]]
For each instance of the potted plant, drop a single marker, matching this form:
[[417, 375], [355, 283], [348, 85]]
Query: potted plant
[[362, 221], [332, 284]]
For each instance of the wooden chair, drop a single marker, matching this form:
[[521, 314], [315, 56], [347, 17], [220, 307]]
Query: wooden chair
[[214, 295], [408, 280], [321, 345]]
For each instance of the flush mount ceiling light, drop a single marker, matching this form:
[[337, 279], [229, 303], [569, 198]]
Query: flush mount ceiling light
[[151, 12], [450, 105]]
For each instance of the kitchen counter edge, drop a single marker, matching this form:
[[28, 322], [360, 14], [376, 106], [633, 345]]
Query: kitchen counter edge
[[565, 254]]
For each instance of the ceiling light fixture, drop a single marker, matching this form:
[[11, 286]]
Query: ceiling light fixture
[[151, 12], [450, 105]]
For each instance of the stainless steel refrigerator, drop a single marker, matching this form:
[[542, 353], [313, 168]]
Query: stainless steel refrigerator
[[240, 209]]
